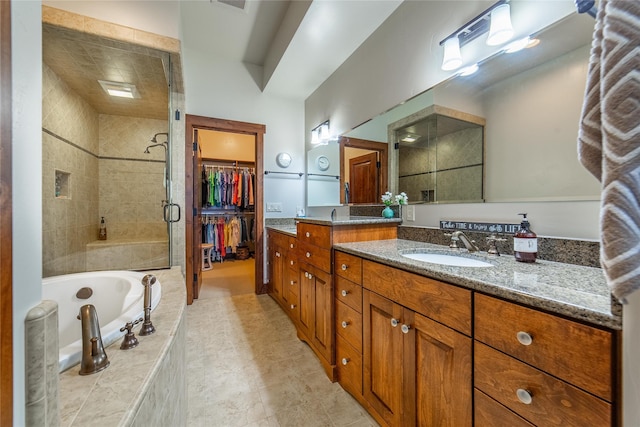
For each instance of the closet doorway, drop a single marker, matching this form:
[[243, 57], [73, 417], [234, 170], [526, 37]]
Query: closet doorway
[[212, 164]]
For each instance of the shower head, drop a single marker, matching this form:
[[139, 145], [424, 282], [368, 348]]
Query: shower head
[[161, 133], [158, 144]]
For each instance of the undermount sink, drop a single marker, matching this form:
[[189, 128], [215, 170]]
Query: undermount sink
[[452, 260]]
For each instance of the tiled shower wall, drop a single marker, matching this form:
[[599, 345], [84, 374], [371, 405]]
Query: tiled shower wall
[[70, 145], [131, 182]]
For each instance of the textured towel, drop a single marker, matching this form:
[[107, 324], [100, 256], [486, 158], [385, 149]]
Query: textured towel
[[609, 139]]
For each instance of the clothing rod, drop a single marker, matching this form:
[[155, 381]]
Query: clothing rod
[[284, 173], [227, 213], [321, 174]]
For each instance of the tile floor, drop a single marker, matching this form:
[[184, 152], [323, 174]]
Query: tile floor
[[246, 366]]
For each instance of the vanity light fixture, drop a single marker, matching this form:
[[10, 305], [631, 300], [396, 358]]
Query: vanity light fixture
[[320, 134], [496, 20], [119, 89], [501, 30], [452, 57]]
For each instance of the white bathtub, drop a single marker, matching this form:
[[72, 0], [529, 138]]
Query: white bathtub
[[117, 296]]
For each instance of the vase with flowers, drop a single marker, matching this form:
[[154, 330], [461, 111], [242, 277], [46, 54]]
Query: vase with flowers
[[387, 199]]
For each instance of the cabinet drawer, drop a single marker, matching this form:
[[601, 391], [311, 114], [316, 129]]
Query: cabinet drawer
[[293, 309], [348, 266], [314, 255], [292, 260], [442, 302], [318, 235], [292, 243], [349, 325], [576, 353], [552, 402], [349, 293], [489, 413], [349, 366]]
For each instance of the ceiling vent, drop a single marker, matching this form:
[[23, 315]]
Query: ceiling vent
[[239, 4]]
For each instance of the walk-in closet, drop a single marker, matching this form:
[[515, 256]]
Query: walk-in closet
[[227, 200]]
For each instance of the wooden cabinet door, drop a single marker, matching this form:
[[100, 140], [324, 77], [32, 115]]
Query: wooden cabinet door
[[383, 357], [323, 314], [307, 296], [276, 263], [438, 370]]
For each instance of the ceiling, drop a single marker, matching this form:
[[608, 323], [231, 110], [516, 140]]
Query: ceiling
[[294, 44]]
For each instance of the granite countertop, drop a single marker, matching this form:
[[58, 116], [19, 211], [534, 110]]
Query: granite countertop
[[574, 291], [349, 220], [286, 229]]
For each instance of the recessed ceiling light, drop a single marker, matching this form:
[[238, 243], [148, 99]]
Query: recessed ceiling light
[[410, 138], [122, 90]]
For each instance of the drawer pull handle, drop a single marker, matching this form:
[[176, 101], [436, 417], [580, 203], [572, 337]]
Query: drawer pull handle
[[291, 245], [344, 293], [310, 276], [291, 262], [524, 396], [405, 328], [344, 267], [345, 324], [345, 361], [308, 234], [394, 322], [293, 306], [308, 254], [524, 338], [306, 274], [278, 254], [293, 282]]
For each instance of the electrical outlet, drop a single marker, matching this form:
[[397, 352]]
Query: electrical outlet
[[274, 207], [411, 213]]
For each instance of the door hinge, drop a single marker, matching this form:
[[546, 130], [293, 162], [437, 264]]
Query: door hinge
[[396, 145], [195, 277], [195, 146], [195, 212], [378, 165]]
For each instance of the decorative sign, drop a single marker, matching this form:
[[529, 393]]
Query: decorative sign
[[482, 227]]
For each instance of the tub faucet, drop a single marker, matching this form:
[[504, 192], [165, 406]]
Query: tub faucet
[[469, 244], [147, 327], [94, 358]]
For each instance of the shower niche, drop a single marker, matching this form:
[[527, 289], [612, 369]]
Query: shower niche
[[62, 186]]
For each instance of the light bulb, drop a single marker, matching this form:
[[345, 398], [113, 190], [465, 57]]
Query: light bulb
[[452, 58]]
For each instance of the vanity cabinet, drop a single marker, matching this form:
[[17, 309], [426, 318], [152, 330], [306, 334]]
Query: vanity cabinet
[[542, 368], [284, 283], [417, 349], [348, 300]]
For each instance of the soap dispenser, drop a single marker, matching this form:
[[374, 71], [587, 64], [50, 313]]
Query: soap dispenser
[[525, 242], [102, 233]]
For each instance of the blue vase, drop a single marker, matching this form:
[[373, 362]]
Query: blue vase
[[387, 212]]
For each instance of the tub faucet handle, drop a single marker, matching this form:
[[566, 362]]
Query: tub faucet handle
[[130, 340]]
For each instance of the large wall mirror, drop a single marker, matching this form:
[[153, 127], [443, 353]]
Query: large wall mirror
[[530, 102]]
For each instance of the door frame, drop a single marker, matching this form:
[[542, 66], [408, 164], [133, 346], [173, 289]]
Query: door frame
[[383, 154], [193, 122], [6, 251]]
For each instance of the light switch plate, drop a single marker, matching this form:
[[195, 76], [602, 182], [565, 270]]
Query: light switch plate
[[274, 207], [411, 213]]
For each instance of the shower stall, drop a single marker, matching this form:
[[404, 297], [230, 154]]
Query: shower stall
[[105, 158]]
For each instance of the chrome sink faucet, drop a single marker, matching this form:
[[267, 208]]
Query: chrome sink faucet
[[469, 244]]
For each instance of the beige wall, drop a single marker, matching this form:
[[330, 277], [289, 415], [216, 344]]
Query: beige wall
[[69, 223], [227, 146]]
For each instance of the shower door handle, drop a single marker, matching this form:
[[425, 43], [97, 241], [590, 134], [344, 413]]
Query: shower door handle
[[167, 210]]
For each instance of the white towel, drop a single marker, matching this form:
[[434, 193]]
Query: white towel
[[609, 139]]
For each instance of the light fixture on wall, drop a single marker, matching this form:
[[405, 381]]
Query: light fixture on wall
[[320, 135], [496, 20], [452, 56]]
